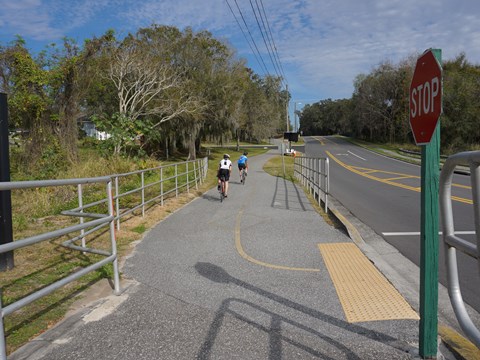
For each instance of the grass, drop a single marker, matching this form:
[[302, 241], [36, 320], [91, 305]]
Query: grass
[[275, 167], [39, 265]]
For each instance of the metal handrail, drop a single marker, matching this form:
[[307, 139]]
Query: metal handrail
[[193, 175], [452, 241], [314, 174], [98, 220]]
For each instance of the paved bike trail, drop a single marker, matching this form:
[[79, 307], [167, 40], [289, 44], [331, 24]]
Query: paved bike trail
[[242, 279]]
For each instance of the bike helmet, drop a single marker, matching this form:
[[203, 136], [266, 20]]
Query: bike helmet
[[245, 153], [226, 156]]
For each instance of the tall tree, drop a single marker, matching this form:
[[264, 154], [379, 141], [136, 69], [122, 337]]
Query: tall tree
[[150, 91]]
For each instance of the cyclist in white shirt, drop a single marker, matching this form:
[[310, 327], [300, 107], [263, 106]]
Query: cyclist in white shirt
[[224, 170]]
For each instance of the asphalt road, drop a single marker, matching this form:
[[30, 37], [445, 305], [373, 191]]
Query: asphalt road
[[380, 192]]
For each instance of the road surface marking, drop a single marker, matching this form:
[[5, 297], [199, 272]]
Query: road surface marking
[[402, 177], [238, 245], [366, 174], [356, 155], [319, 139], [365, 294]]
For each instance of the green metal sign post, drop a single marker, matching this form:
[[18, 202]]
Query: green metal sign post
[[425, 110], [429, 247]]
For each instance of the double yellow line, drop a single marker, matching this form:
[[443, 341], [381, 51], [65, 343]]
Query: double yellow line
[[365, 172]]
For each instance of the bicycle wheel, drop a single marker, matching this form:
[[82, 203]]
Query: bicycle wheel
[[244, 178], [222, 189]]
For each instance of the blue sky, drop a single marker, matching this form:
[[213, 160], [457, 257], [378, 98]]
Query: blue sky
[[322, 44]]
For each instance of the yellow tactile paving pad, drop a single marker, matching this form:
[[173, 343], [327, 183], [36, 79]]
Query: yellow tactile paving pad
[[363, 291]]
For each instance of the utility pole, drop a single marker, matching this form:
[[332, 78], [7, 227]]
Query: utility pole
[[6, 229], [295, 114], [286, 105]]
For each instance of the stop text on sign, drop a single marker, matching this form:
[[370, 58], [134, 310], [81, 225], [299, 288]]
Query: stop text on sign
[[423, 98]]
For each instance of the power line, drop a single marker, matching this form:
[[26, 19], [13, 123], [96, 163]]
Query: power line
[[267, 36], [268, 33], [263, 36], [244, 35], [273, 41], [251, 37]]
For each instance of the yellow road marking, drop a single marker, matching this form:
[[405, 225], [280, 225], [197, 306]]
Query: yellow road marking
[[363, 291], [319, 139], [390, 182], [238, 245], [402, 177]]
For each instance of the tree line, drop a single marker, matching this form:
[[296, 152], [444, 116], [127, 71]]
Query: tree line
[[155, 91], [378, 110]]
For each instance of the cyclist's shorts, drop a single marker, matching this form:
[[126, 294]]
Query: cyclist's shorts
[[225, 173], [242, 166]]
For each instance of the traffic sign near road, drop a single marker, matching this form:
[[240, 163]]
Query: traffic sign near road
[[425, 97]]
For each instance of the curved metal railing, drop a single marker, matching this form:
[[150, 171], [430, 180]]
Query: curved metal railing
[[453, 242]]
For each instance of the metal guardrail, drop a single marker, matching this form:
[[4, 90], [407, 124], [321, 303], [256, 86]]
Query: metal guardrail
[[98, 221], [165, 181], [172, 178], [453, 242], [314, 174]]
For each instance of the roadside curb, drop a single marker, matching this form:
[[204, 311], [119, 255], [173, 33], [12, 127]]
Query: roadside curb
[[461, 347]]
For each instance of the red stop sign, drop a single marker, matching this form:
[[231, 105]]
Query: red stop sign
[[425, 98]]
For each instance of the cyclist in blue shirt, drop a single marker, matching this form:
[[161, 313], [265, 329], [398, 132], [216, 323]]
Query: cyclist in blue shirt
[[243, 164]]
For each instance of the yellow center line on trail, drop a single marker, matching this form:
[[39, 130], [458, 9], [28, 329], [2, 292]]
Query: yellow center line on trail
[[366, 173]]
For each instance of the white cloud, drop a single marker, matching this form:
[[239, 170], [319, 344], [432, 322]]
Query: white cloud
[[28, 18], [206, 14]]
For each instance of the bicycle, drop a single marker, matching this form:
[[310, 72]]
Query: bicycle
[[221, 190], [244, 176]]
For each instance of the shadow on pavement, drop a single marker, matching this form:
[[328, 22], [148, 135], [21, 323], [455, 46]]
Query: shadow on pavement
[[219, 275], [287, 196]]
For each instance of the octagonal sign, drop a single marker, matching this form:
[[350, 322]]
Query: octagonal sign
[[425, 98]]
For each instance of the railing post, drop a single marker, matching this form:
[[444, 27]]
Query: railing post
[[205, 167], [143, 192], [327, 183], [319, 180], [195, 174], [311, 175], [117, 202], [186, 171], [113, 241], [305, 172], [304, 160], [80, 205], [161, 186], [176, 180]]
